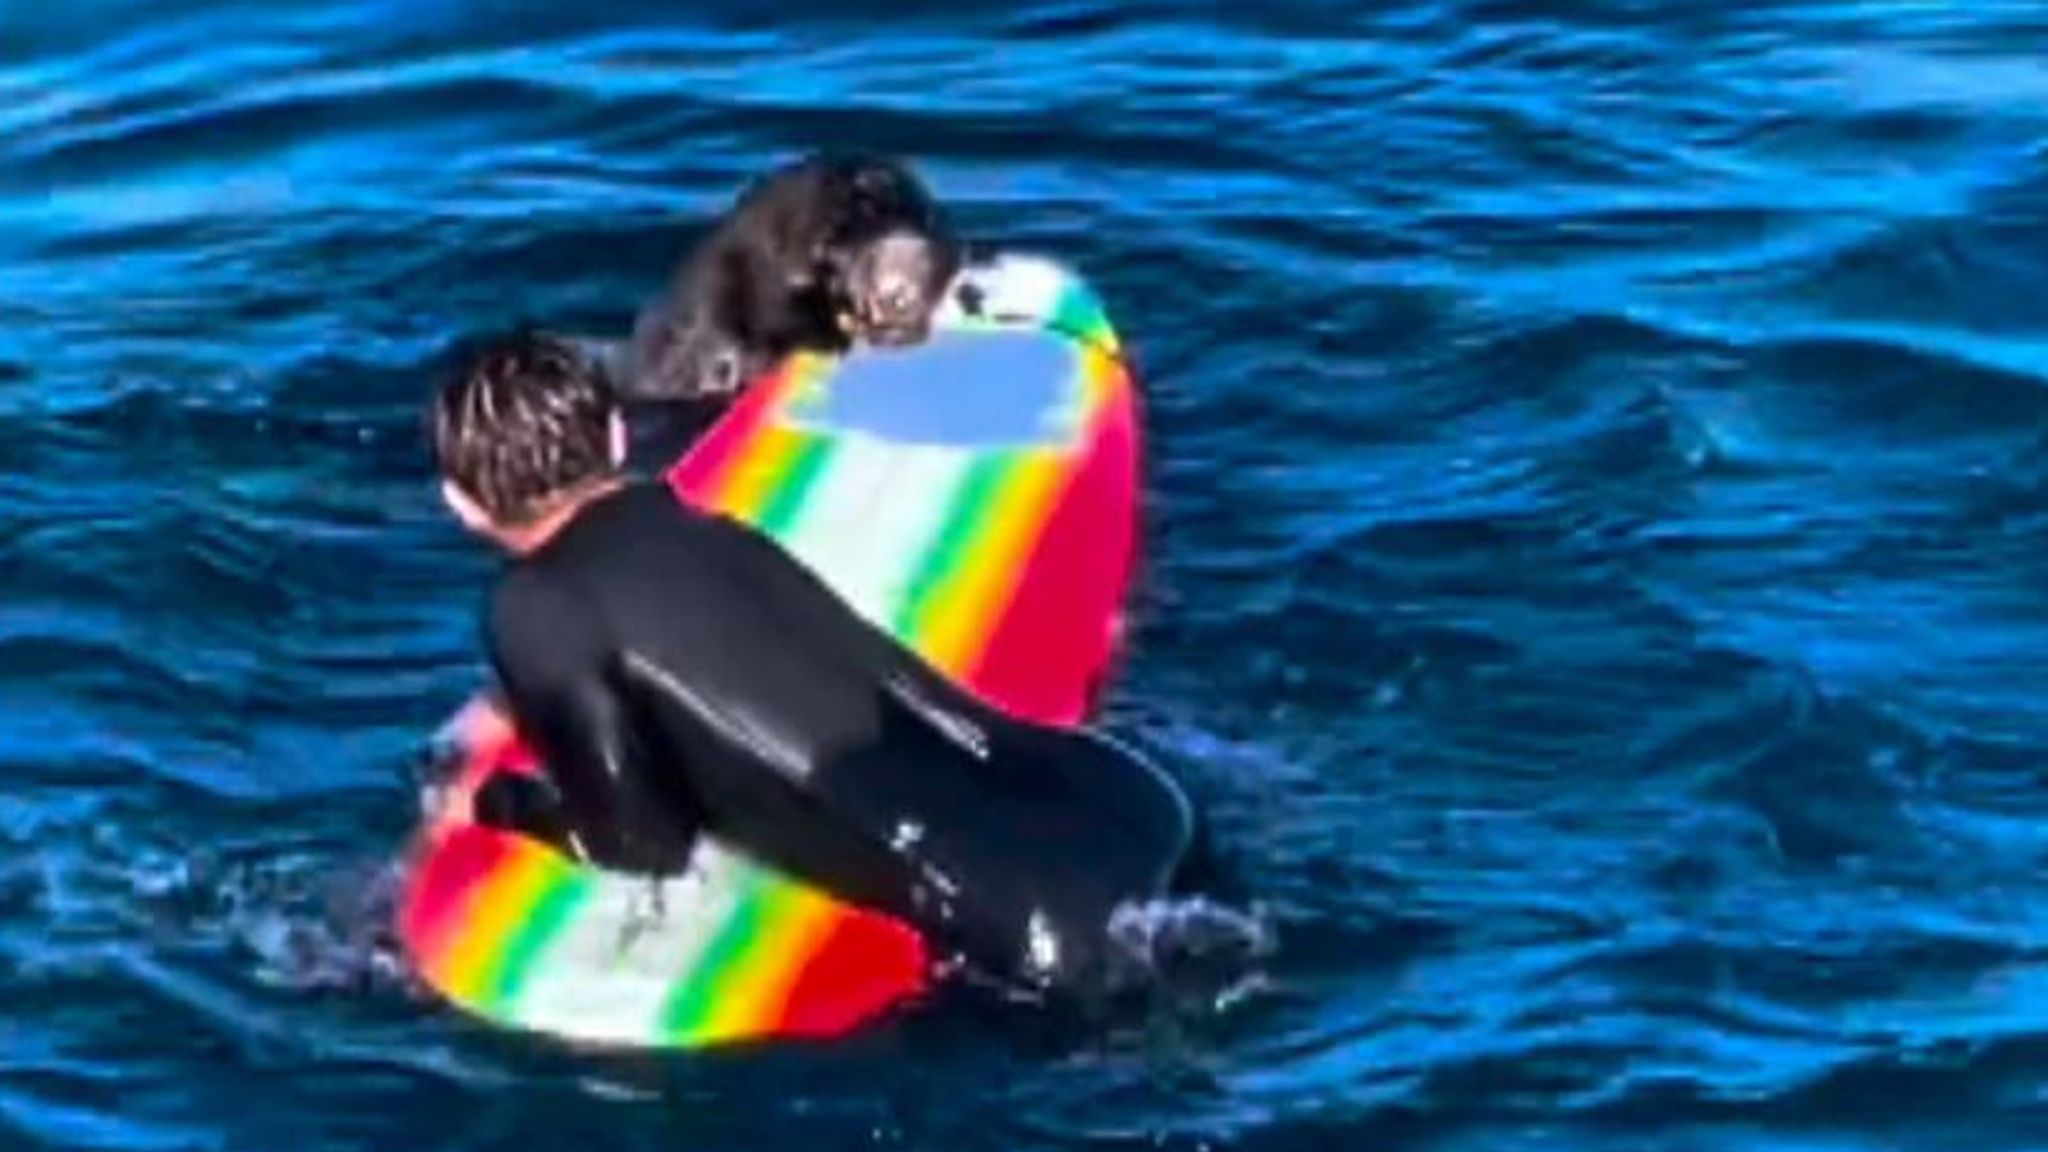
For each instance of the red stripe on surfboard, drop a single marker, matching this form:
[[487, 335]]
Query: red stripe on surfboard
[[461, 855], [450, 877], [868, 965], [1048, 646], [696, 476]]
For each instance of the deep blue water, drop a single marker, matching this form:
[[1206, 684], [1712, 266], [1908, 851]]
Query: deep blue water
[[1598, 539]]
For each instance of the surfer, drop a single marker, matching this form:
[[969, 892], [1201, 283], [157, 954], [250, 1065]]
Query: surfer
[[679, 673]]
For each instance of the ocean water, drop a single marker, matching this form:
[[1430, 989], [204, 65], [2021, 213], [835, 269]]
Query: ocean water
[[1598, 551]]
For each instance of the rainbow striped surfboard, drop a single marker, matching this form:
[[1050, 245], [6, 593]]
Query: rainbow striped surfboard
[[976, 496]]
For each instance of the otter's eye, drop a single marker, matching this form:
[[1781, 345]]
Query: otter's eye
[[719, 374]]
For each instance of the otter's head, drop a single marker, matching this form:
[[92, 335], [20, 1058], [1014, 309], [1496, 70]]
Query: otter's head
[[888, 254], [886, 289]]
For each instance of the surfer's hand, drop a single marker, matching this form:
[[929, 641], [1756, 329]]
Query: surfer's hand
[[481, 723]]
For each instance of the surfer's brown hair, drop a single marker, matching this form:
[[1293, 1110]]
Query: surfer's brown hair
[[525, 419]]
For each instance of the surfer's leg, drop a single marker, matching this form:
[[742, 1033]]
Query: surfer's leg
[[1030, 837]]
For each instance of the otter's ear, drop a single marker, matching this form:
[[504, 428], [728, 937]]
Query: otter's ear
[[880, 178]]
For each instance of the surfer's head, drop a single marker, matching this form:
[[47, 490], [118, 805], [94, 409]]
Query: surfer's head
[[525, 431]]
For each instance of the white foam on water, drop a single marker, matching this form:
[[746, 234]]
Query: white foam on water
[[1188, 944]]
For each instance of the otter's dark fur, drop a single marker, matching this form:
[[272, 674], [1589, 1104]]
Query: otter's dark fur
[[817, 254]]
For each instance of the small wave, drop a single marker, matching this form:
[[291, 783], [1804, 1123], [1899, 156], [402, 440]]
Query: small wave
[[1198, 948], [288, 922], [1892, 77]]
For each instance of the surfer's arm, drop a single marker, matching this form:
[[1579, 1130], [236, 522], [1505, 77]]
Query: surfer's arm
[[550, 650]]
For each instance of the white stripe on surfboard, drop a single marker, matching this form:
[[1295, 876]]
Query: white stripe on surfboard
[[873, 515], [608, 974], [1013, 288]]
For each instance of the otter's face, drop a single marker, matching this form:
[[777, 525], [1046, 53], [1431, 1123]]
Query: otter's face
[[887, 289]]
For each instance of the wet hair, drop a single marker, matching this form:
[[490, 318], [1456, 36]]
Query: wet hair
[[523, 420]]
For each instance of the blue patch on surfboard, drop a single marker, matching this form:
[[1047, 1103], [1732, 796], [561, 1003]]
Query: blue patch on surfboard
[[980, 389]]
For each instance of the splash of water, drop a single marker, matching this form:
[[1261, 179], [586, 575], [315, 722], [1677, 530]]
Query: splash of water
[[1192, 947], [296, 926]]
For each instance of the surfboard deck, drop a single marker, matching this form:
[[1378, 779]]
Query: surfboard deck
[[977, 497]]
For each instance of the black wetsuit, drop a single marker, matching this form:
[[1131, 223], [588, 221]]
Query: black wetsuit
[[679, 671]]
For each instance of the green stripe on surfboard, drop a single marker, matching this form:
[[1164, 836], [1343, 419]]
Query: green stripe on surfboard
[[783, 504], [554, 908], [693, 1006], [1080, 312], [967, 520]]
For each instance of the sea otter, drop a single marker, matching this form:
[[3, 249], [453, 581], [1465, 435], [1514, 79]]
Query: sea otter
[[821, 253]]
